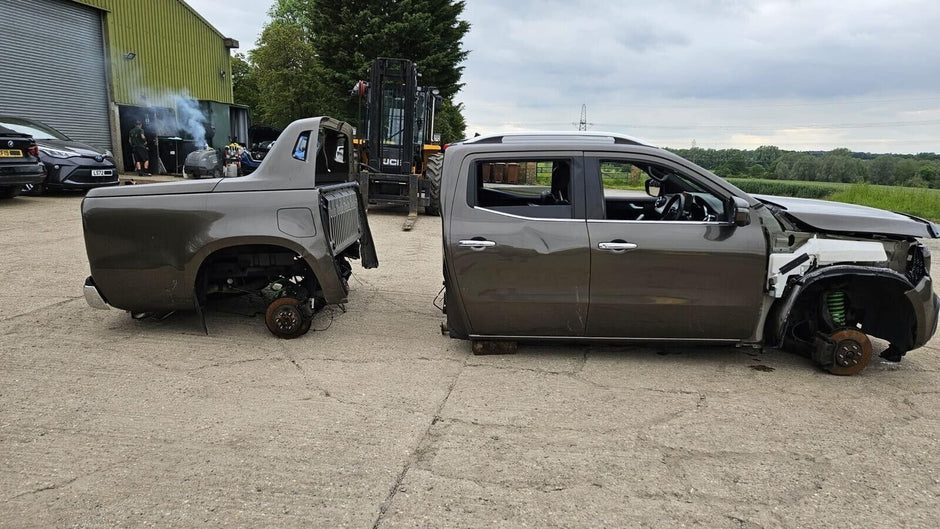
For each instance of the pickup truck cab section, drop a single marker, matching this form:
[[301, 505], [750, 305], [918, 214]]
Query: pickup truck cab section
[[553, 236]]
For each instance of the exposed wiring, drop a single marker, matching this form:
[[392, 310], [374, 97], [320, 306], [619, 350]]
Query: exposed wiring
[[332, 311]]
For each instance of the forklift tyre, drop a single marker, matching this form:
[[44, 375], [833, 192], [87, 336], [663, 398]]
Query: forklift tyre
[[433, 175]]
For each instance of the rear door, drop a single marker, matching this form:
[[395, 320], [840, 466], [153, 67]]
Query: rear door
[[519, 245], [694, 277]]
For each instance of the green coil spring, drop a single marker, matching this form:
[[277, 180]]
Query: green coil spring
[[835, 302]]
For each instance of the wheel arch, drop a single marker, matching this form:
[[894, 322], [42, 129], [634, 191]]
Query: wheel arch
[[879, 297], [251, 245]]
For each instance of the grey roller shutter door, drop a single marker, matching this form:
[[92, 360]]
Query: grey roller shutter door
[[52, 67]]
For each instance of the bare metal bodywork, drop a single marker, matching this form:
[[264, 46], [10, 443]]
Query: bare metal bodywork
[[150, 247], [608, 265]]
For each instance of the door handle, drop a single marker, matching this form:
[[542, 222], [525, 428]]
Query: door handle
[[475, 244], [616, 247]]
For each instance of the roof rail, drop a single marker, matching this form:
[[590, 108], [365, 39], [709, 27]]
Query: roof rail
[[559, 137]]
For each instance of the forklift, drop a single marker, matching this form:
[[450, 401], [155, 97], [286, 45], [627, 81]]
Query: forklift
[[398, 150]]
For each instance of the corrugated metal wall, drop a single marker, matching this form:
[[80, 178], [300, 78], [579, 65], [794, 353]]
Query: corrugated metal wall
[[52, 67], [177, 52]]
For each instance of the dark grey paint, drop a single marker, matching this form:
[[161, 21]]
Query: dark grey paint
[[700, 281], [850, 218], [145, 243], [684, 280]]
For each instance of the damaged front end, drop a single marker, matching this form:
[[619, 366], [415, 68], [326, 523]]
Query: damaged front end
[[831, 290]]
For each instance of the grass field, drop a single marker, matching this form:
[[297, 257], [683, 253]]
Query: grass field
[[923, 203], [919, 202]]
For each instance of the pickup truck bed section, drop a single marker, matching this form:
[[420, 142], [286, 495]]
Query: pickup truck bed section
[[165, 247]]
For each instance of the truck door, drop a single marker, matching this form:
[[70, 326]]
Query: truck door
[[657, 272], [518, 245]]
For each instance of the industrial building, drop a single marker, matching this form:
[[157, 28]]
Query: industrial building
[[90, 68]]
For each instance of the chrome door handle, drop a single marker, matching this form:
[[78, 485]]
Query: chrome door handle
[[616, 247], [476, 245]]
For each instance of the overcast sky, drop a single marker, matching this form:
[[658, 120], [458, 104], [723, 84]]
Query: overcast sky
[[799, 74]]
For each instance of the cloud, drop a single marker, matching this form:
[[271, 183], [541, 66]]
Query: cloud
[[238, 19], [804, 73], [694, 65]]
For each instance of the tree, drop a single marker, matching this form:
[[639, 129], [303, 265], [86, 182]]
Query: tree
[[905, 171], [735, 166], [756, 171], [289, 76], [841, 151], [245, 82], [929, 172], [312, 52], [348, 34], [766, 155], [881, 170], [839, 166], [450, 122], [797, 166]]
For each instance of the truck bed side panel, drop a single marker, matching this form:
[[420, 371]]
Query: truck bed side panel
[[140, 248], [145, 252]]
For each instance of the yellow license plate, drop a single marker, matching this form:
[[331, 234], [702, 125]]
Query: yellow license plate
[[11, 153]]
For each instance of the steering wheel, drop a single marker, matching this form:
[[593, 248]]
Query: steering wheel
[[675, 208]]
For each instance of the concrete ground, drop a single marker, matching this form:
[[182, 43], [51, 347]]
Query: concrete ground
[[376, 420]]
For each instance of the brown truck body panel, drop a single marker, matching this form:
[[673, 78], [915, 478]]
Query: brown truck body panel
[[146, 243], [559, 251]]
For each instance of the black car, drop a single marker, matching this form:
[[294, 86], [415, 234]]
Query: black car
[[19, 163], [69, 164]]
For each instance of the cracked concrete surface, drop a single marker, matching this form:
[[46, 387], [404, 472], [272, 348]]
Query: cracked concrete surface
[[376, 420]]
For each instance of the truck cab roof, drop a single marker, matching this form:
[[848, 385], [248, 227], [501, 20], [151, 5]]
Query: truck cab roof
[[559, 137]]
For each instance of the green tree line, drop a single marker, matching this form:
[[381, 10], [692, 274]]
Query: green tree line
[[312, 52], [838, 165]]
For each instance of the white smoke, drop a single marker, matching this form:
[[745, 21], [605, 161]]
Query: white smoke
[[189, 120]]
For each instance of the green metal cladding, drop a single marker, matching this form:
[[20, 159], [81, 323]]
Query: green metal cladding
[[176, 52]]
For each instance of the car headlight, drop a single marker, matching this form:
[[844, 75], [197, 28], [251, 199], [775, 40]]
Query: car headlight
[[58, 153], [108, 154]]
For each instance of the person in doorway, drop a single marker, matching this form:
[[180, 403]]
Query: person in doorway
[[139, 145]]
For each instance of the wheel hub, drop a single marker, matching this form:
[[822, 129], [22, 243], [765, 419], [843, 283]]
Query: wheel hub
[[851, 352], [287, 319], [848, 353]]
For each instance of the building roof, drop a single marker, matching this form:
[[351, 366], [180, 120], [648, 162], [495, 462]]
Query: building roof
[[108, 5]]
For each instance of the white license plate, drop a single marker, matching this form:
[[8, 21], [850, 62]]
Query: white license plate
[[101, 172]]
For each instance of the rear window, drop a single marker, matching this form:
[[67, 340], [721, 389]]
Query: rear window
[[300, 147], [538, 188]]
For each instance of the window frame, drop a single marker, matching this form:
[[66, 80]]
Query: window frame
[[594, 185], [306, 148], [575, 160]]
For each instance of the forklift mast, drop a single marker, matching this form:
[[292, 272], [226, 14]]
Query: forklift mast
[[391, 145], [399, 148]]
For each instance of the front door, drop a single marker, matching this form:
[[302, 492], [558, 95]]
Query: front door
[[679, 272], [520, 249]]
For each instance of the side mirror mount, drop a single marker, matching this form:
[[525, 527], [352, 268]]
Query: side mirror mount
[[653, 188], [739, 212]]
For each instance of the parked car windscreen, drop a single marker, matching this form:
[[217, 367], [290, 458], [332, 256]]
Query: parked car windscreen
[[37, 130]]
